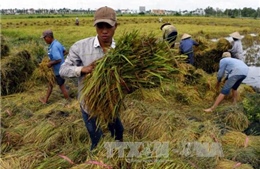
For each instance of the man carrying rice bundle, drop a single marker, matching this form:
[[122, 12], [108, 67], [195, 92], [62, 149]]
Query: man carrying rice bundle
[[56, 52], [236, 71], [80, 62]]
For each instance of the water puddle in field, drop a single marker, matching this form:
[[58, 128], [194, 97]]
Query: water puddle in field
[[253, 77], [251, 58]]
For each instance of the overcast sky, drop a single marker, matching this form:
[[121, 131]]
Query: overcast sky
[[175, 5]]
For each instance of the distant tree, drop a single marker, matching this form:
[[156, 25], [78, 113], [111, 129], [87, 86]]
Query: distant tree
[[210, 11], [258, 12], [177, 14], [237, 13], [248, 12]]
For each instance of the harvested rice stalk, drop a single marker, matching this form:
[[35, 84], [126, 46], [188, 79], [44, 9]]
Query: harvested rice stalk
[[43, 73], [223, 45], [138, 61], [236, 119], [239, 139], [232, 164], [234, 138]]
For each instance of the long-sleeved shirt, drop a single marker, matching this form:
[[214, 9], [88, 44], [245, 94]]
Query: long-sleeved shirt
[[232, 67], [82, 53], [237, 49], [186, 45]]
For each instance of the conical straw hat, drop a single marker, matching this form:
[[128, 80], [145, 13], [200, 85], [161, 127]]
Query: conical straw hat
[[185, 36], [235, 35]]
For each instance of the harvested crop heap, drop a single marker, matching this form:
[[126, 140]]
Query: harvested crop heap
[[208, 54], [15, 70]]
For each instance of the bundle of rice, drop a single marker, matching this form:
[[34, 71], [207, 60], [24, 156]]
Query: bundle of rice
[[138, 61], [235, 119], [43, 73], [207, 56], [239, 139], [225, 164], [15, 70]]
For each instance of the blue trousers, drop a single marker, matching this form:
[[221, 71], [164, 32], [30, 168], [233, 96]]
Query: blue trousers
[[190, 58], [115, 127]]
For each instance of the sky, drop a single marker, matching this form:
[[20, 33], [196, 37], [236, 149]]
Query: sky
[[175, 5]]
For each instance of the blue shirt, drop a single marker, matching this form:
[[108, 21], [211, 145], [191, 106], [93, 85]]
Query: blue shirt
[[186, 45], [232, 67], [55, 52]]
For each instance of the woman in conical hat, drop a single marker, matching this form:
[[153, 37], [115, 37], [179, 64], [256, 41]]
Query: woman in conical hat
[[185, 36], [186, 47], [237, 48], [235, 35]]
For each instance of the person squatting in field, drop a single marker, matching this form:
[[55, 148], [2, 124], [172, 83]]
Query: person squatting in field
[[56, 53], [80, 62], [236, 71]]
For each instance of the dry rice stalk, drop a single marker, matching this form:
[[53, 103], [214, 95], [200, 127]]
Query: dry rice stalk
[[43, 73], [234, 138], [239, 139], [138, 61], [228, 164], [152, 95], [237, 120]]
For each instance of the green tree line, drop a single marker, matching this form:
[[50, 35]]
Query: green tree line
[[245, 12]]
